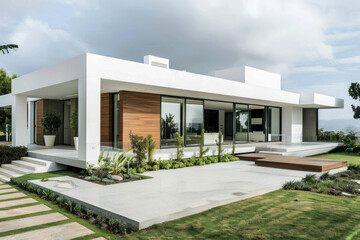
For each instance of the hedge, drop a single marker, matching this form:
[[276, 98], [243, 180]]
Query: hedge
[[9, 153]]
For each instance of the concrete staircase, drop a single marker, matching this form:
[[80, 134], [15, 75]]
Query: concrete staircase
[[27, 165]]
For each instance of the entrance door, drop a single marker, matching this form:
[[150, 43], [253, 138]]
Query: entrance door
[[67, 129], [229, 124]]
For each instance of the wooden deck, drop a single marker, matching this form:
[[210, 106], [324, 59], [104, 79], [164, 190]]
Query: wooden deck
[[291, 162]]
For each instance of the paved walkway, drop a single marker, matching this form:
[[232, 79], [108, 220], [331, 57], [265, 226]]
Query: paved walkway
[[176, 193], [22, 218]]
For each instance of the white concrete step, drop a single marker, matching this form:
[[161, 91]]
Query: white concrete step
[[8, 173], [35, 161], [17, 169], [4, 178], [24, 164]]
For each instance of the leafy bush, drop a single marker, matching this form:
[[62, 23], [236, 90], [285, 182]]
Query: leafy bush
[[138, 145], [309, 179], [89, 213], [69, 205], [74, 122], [9, 153], [50, 123], [78, 208], [100, 219], [117, 226], [106, 180], [60, 200], [293, 185]]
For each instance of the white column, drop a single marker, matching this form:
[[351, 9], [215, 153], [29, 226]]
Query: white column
[[89, 118], [292, 124], [31, 124], [19, 120]]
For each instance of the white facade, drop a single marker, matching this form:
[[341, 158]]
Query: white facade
[[89, 75]]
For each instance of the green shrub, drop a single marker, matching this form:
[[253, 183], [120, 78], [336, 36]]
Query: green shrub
[[50, 123], [89, 213], [213, 159], [139, 146], [100, 219], [117, 226], [200, 162], [78, 208], [106, 180], [9, 153], [53, 197], [181, 165], [189, 164], [140, 170], [60, 200], [293, 185], [175, 165], [192, 160], [207, 161], [309, 179], [69, 205], [155, 167]]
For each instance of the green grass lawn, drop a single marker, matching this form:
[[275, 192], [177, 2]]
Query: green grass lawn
[[277, 215], [352, 158]]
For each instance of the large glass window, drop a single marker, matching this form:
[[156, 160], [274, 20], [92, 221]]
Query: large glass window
[[274, 128], [194, 121], [242, 123], [257, 124], [171, 120]]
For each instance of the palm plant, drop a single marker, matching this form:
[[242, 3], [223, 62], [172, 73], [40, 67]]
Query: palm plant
[[5, 48], [219, 142], [118, 162]]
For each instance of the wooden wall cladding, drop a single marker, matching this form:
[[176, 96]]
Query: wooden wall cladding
[[39, 130], [106, 121], [139, 113], [49, 106]]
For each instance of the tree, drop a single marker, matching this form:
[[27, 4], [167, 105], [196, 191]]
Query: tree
[[5, 48], [354, 92], [5, 88]]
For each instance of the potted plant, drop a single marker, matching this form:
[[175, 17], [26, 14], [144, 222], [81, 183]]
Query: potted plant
[[74, 125], [50, 123]]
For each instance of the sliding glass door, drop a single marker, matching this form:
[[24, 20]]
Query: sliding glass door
[[274, 127], [171, 120], [194, 121], [242, 123]]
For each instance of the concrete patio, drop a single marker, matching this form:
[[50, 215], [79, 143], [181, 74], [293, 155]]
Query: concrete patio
[[176, 193]]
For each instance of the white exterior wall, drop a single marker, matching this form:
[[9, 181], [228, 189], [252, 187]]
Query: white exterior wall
[[19, 120], [292, 124]]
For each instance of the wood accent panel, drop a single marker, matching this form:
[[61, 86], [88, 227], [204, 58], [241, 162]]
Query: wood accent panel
[[106, 121], [49, 106], [139, 113], [293, 162], [39, 130]]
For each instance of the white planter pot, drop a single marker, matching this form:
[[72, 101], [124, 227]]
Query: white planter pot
[[49, 140], [76, 142]]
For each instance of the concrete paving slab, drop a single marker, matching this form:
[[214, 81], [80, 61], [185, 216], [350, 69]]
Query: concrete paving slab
[[176, 193], [12, 195], [30, 221], [4, 186], [59, 232], [23, 211], [8, 190], [17, 202]]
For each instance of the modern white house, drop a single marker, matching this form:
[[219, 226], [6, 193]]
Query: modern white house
[[114, 96]]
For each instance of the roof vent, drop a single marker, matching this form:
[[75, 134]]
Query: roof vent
[[156, 61]]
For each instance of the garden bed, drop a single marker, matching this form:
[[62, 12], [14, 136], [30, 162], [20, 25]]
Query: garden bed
[[327, 184], [124, 178]]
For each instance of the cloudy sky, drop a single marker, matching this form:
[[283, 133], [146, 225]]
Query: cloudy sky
[[315, 45]]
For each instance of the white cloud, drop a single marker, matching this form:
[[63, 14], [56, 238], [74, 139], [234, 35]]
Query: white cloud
[[39, 46], [314, 69], [349, 60]]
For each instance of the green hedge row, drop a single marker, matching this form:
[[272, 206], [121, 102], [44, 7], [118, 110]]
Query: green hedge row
[[136, 167], [9, 153], [116, 226]]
